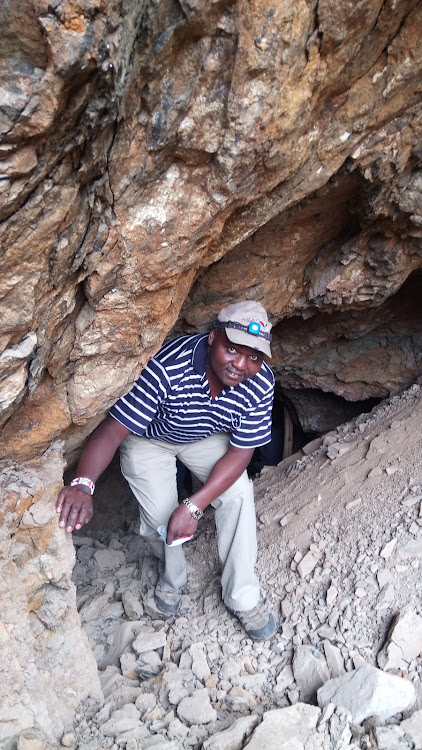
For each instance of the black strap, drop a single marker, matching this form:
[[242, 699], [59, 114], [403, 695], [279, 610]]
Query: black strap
[[241, 327]]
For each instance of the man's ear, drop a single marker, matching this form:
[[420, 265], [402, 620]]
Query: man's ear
[[211, 336]]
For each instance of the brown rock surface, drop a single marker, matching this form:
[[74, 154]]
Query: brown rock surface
[[159, 160]]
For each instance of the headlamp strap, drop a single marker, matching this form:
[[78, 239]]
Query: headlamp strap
[[254, 328]]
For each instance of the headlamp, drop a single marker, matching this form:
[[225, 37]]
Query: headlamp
[[254, 328]]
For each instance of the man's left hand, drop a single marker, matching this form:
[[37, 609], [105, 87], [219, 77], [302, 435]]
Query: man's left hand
[[181, 523]]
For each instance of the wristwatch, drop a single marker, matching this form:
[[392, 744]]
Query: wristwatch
[[195, 512]]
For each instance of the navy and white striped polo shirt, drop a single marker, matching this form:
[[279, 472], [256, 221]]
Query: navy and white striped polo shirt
[[171, 400]]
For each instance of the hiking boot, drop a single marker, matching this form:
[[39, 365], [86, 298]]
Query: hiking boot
[[168, 601], [258, 622]]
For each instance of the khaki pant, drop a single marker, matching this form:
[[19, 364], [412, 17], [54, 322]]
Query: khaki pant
[[150, 468]]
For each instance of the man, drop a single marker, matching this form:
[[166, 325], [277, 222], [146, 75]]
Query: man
[[205, 399]]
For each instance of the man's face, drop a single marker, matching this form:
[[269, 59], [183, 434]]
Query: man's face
[[231, 363]]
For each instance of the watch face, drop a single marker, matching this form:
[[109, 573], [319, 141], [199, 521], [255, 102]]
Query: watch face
[[193, 510]]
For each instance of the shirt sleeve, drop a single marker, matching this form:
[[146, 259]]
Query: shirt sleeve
[[139, 407], [255, 426]]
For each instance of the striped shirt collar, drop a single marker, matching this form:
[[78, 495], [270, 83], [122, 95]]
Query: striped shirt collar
[[199, 356]]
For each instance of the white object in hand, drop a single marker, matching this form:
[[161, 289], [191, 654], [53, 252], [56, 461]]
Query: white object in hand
[[162, 533]]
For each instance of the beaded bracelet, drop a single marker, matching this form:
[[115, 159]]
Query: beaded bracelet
[[83, 480]]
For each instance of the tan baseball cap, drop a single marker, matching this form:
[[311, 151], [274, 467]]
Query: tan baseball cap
[[246, 323]]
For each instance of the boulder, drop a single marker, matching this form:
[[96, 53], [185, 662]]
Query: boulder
[[366, 692]]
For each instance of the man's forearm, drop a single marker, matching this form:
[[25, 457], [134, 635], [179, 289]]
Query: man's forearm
[[225, 473], [100, 449], [74, 503]]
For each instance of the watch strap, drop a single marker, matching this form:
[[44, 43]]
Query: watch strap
[[193, 509], [85, 481]]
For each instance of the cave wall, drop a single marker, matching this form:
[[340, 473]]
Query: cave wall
[[47, 667], [161, 158]]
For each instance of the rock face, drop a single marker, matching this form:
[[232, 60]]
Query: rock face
[[159, 160], [47, 667], [177, 154]]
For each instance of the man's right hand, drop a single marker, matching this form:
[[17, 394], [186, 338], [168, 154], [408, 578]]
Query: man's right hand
[[75, 503], [75, 507]]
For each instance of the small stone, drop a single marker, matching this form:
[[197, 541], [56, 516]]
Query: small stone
[[292, 727], [404, 642], [293, 696], [149, 641], [325, 631], [326, 714], [200, 666], [239, 697], [389, 738], [337, 449], [122, 720], [354, 503], [388, 549], [360, 593], [286, 608], [145, 702], [312, 446], [211, 681], [384, 577], [128, 666], [411, 500], [284, 679], [197, 709], [331, 595], [334, 659], [154, 715], [385, 597], [68, 739], [234, 737], [286, 519], [374, 473], [334, 617], [82, 541], [310, 671], [307, 564], [149, 664], [248, 668], [109, 560], [132, 606], [390, 470]]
